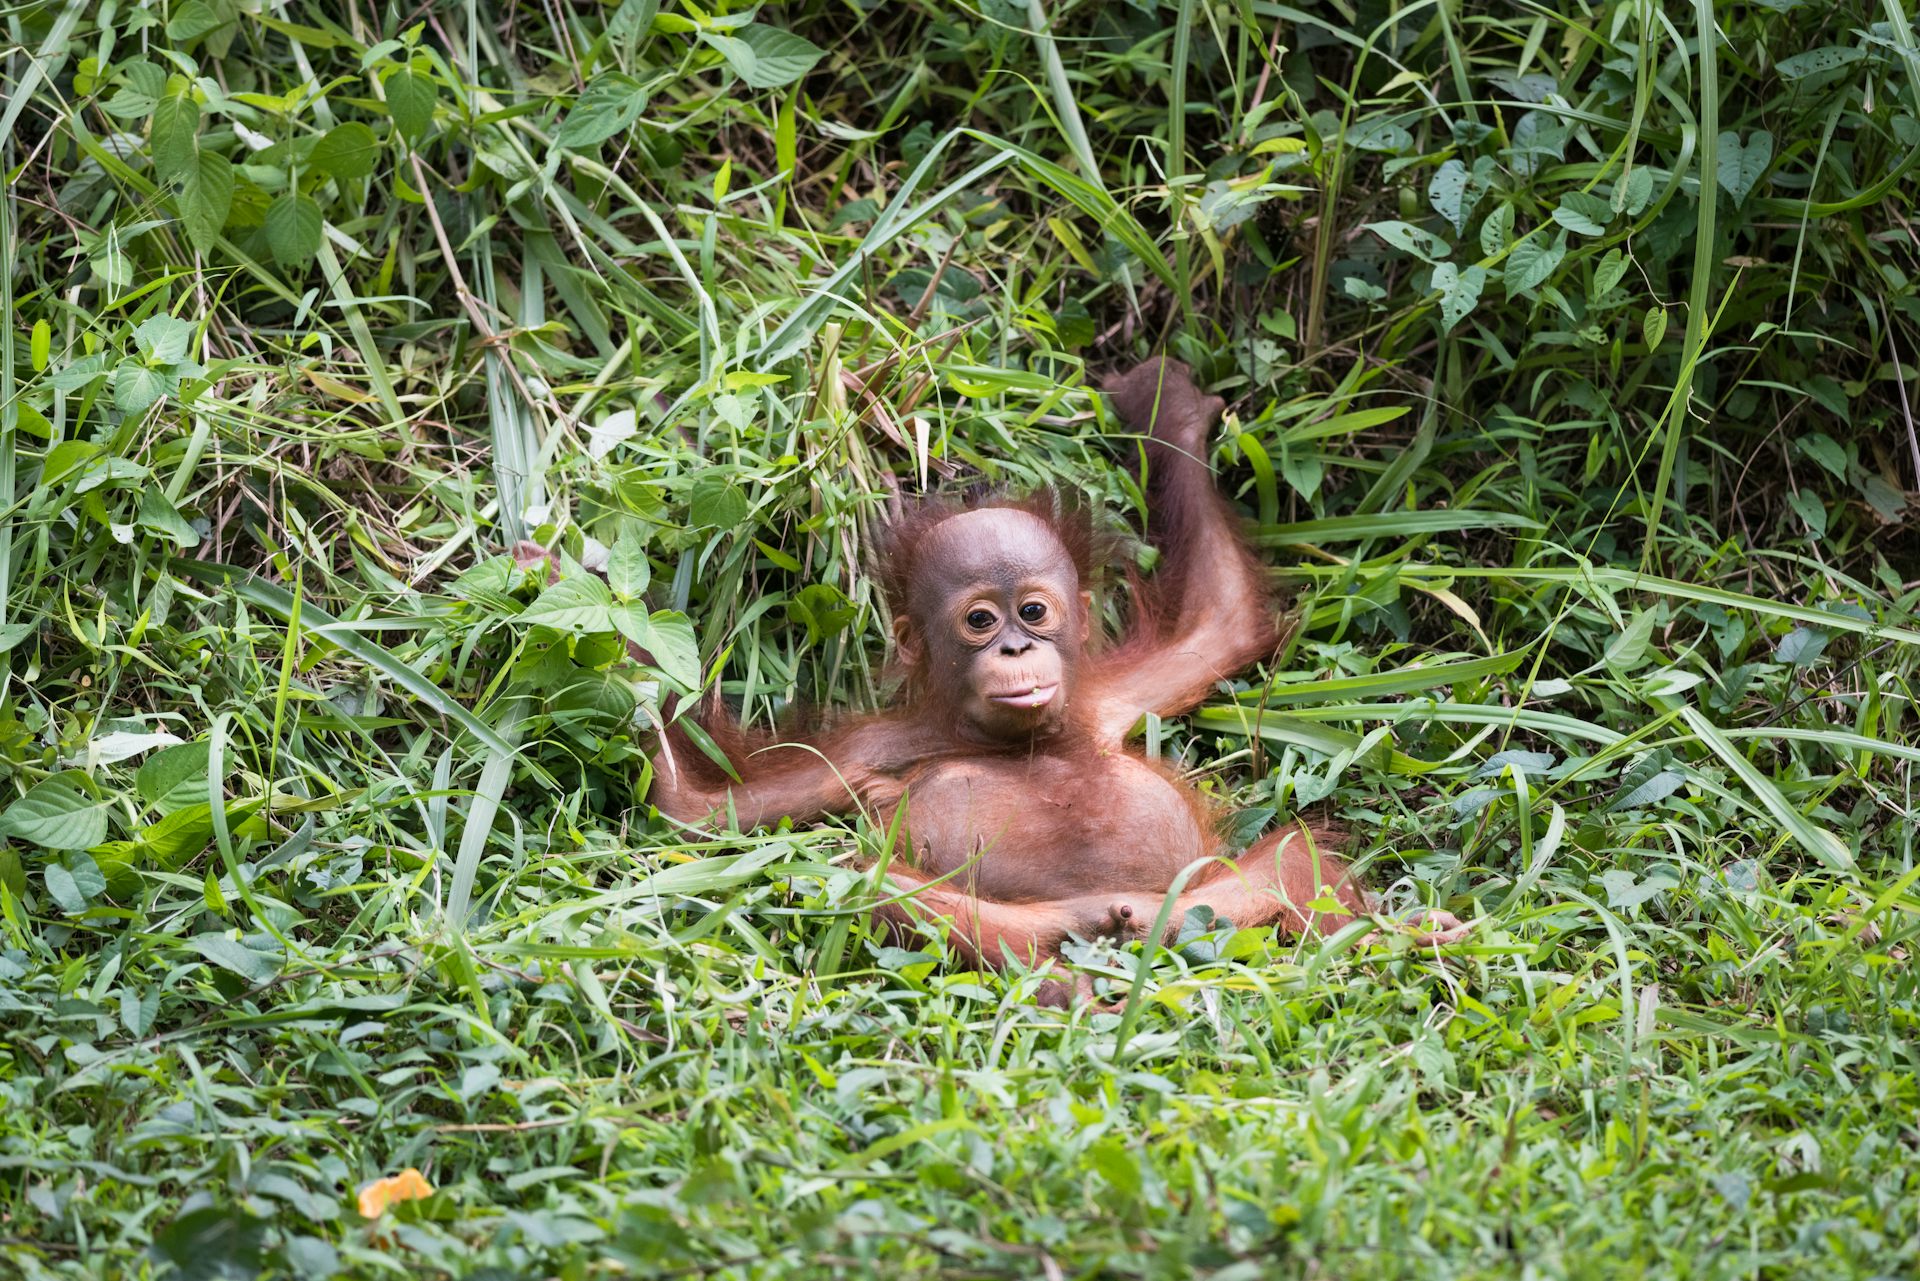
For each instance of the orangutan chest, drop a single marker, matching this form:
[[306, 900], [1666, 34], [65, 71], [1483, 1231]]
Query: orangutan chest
[[1043, 828]]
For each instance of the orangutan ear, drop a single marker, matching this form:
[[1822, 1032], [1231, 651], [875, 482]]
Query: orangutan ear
[[906, 641], [1086, 616]]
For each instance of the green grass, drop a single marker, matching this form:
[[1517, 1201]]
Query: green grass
[[1592, 495]]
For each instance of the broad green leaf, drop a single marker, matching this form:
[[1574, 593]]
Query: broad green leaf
[[72, 887], [1377, 134], [136, 387], [1653, 326], [632, 22], [178, 836], [229, 953], [57, 813], [1810, 509], [163, 339], [766, 57], [174, 138], [578, 603], [174, 777], [1584, 213], [1649, 782], [347, 150], [410, 101], [1826, 451], [1802, 647], [293, 229], [1612, 269], [1625, 889], [1532, 261], [1632, 195], [627, 568], [608, 107], [161, 518], [143, 85], [1628, 652], [716, 502], [1739, 166], [206, 198], [667, 637], [193, 19]]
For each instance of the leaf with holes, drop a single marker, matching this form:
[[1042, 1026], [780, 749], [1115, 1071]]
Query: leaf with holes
[[1459, 291], [1379, 135], [1819, 61], [1496, 230], [1454, 190], [1418, 241]]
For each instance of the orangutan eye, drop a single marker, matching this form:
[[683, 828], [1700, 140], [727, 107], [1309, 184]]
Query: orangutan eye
[[980, 620], [1033, 611]]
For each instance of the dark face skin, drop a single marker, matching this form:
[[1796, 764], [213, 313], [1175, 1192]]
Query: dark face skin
[[1001, 620]]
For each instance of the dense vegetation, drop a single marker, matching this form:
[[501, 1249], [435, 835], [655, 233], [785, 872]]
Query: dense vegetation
[[1572, 357]]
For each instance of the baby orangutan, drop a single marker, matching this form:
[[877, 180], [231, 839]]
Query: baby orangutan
[[1027, 817]]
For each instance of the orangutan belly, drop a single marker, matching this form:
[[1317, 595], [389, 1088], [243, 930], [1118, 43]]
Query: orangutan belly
[[1023, 830]]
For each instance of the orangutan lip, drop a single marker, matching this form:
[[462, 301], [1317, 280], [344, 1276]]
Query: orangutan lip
[[1038, 696]]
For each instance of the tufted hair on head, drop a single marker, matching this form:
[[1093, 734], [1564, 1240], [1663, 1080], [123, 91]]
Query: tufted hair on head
[[906, 536]]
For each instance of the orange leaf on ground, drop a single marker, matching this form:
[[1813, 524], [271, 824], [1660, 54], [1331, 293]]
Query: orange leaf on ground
[[408, 1185]]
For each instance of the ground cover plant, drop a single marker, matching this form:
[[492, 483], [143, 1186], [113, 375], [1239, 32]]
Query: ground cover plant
[[1571, 352]]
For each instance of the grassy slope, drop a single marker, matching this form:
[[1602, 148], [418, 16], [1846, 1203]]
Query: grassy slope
[[1673, 774]]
